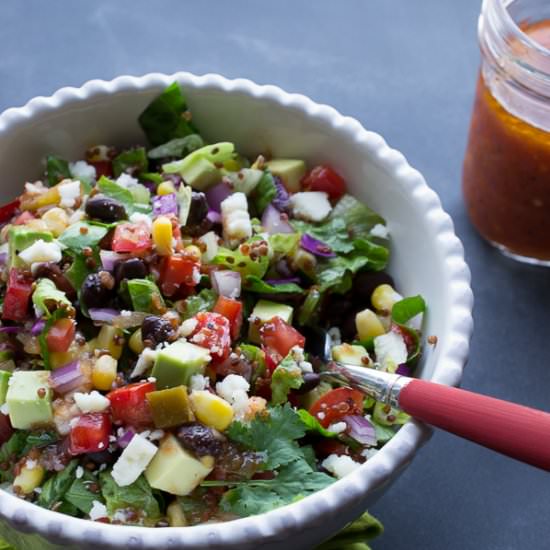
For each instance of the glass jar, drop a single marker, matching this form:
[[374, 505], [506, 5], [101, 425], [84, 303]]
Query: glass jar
[[506, 176]]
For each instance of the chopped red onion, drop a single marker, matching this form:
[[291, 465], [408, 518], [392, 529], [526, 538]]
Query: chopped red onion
[[404, 370], [11, 329], [286, 281], [217, 194], [103, 315], [124, 440], [38, 327], [165, 204], [110, 258], [3, 258], [151, 185], [361, 429], [282, 199], [67, 378], [316, 247], [214, 217], [273, 222], [227, 283]]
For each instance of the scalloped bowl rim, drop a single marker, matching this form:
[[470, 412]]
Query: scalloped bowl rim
[[282, 522]]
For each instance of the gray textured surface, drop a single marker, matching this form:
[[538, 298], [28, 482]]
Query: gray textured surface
[[406, 69]]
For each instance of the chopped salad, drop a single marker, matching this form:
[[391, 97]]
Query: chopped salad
[[165, 315]]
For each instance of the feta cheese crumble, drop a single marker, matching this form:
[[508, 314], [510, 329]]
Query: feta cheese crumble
[[337, 427], [380, 230], [41, 251], [339, 465], [125, 180], [390, 350], [69, 191], [234, 389], [98, 511], [145, 362], [133, 460], [81, 170], [312, 206], [139, 217], [198, 382], [91, 402]]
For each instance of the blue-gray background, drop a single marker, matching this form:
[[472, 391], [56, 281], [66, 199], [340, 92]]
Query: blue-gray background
[[406, 69]]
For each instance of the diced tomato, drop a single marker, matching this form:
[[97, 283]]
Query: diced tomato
[[132, 237], [129, 405], [232, 310], [213, 333], [102, 168], [324, 178], [8, 210], [178, 270], [61, 335], [23, 218], [279, 337], [90, 434], [18, 293], [408, 337], [336, 404], [6, 429]]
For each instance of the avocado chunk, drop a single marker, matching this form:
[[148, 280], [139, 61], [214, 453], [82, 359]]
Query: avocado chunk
[[176, 363], [176, 471], [170, 407], [245, 180], [4, 382], [29, 399], [20, 238], [201, 174], [265, 311], [291, 171], [353, 355]]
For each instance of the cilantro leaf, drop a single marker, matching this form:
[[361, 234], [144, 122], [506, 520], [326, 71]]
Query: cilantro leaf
[[293, 482], [54, 489], [285, 377], [255, 284], [274, 434], [80, 495], [132, 161], [177, 147], [137, 496], [115, 191], [38, 440], [144, 295], [79, 269]]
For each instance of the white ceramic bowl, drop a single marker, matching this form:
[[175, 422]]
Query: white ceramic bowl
[[427, 258]]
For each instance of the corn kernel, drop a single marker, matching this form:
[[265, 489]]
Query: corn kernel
[[51, 196], [60, 358], [56, 220], [110, 339], [176, 517], [29, 479], [104, 372], [384, 297], [162, 235], [211, 410], [166, 188], [194, 251], [368, 325], [136, 343]]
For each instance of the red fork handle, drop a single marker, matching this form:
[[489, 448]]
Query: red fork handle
[[513, 430]]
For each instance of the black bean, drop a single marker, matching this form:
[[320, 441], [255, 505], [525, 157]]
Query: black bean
[[200, 439], [105, 209], [311, 381], [133, 268], [102, 457], [364, 284], [98, 289], [155, 330]]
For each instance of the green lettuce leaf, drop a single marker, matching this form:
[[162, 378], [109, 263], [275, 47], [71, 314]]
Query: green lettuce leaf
[[164, 119], [132, 161], [358, 218], [275, 434], [203, 301], [142, 295], [236, 261], [263, 193], [286, 376], [313, 425], [353, 537], [308, 312], [53, 491], [283, 244], [333, 233], [256, 357], [255, 284], [83, 234], [294, 481], [138, 497], [79, 270], [57, 169], [115, 191], [177, 147], [47, 298], [36, 440], [407, 308]]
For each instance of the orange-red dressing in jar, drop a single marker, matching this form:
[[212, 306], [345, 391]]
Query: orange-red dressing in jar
[[506, 177]]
